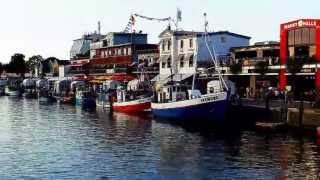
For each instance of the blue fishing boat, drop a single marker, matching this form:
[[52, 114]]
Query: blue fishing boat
[[85, 99], [211, 106]]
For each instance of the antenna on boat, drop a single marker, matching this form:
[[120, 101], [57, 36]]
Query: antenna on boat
[[212, 54]]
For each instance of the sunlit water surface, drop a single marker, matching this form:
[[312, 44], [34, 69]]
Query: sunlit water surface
[[52, 141]]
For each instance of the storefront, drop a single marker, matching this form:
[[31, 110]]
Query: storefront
[[299, 40]]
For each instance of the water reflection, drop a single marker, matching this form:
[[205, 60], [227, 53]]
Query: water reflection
[[52, 141]]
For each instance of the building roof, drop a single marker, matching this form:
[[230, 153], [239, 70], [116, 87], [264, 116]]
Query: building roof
[[196, 33], [229, 33], [132, 44], [259, 44], [126, 33]]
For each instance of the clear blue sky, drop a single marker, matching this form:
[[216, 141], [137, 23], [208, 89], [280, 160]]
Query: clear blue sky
[[47, 27]]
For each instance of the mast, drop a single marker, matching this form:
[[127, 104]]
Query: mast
[[213, 55]]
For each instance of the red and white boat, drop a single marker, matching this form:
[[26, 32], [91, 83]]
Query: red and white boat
[[132, 106], [132, 101]]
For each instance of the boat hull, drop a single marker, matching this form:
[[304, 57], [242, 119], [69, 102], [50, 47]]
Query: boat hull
[[132, 106], [13, 93], [212, 108], [86, 102], [48, 99]]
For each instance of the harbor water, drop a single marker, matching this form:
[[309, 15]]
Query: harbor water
[[53, 141]]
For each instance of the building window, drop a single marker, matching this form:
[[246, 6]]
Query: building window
[[169, 45], [129, 51], [191, 61], [312, 51], [169, 62], [191, 43], [163, 45], [223, 39], [163, 65], [181, 44], [125, 51], [182, 61]]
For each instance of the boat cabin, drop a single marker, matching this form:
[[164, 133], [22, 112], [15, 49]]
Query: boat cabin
[[176, 92], [214, 86]]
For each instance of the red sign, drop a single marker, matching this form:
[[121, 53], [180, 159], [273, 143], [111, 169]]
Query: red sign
[[301, 23]]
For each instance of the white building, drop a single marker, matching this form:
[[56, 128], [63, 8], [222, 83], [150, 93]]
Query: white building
[[181, 52]]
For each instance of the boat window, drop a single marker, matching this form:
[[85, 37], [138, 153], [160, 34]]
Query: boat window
[[211, 90]]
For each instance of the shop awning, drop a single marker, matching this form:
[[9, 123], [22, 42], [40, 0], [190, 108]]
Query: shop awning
[[159, 77], [112, 60], [114, 77], [78, 64], [177, 77], [164, 58], [80, 78]]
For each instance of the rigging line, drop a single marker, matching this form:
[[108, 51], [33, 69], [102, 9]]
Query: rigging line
[[213, 57]]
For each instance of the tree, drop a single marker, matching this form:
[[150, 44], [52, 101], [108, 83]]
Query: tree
[[17, 64], [34, 63], [262, 67]]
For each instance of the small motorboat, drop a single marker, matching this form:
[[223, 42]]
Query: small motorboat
[[130, 102]]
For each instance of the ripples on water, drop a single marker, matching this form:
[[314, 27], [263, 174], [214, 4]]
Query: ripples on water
[[52, 141]]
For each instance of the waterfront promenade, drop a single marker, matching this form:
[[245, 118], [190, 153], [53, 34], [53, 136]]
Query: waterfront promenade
[[291, 115]]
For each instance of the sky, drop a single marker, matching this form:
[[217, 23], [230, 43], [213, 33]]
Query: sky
[[48, 27]]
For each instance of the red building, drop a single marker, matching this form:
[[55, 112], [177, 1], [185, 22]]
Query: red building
[[117, 61], [299, 39]]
